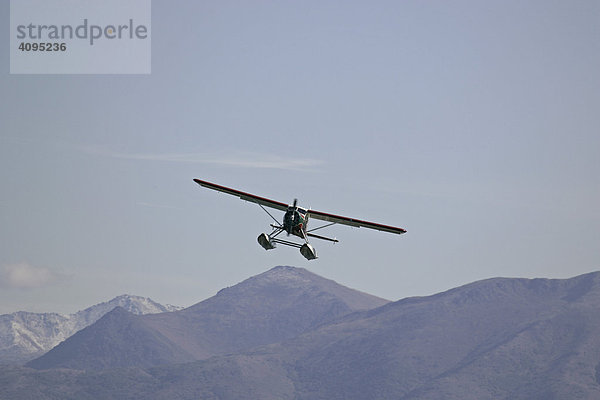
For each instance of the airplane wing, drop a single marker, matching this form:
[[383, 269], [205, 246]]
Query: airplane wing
[[243, 195], [312, 213], [353, 222]]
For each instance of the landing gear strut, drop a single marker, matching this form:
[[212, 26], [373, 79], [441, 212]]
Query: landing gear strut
[[268, 242]]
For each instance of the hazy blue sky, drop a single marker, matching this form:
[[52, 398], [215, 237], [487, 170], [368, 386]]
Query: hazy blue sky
[[475, 125]]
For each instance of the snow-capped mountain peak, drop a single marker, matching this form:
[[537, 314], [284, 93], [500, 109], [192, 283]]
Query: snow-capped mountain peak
[[26, 335]]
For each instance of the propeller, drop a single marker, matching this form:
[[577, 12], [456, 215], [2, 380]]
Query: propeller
[[294, 214]]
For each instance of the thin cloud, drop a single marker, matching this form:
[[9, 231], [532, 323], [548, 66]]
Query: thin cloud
[[233, 159], [25, 276]]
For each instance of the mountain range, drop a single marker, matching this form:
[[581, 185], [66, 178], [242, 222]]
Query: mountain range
[[26, 335], [290, 334], [274, 306]]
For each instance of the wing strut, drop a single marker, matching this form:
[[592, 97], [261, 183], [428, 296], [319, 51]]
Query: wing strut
[[322, 226], [265, 210]]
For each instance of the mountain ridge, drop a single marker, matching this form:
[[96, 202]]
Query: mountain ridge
[[275, 305], [27, 335], [500, 338]]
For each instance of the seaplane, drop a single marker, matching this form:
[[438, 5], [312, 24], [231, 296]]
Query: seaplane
[[295, 221]]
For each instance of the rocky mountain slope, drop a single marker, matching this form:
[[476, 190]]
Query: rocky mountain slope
[[493, 339], [25, 335], [276, 305]]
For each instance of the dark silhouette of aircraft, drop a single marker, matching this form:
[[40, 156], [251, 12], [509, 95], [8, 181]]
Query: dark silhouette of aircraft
[[295, 221]]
